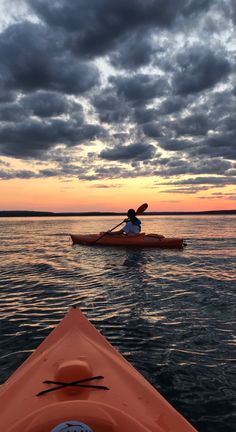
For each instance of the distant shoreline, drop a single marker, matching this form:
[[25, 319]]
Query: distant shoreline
[[29, 213]]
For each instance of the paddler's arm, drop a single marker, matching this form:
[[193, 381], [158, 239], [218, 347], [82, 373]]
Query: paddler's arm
[[115, 232]]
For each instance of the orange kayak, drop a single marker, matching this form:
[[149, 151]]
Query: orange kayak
[[75, 381], [139, 240]]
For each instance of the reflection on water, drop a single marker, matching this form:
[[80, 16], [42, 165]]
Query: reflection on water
[[170, 312]]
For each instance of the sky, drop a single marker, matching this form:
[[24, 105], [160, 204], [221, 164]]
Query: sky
[[107, 104]]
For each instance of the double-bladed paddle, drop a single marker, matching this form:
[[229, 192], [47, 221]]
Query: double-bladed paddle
[[139, 211]]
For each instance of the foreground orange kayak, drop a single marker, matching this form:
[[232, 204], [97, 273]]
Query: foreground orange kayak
[[76, 381], [139, 240]]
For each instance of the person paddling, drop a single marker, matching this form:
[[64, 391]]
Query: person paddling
[[132, 226], [131, 212]]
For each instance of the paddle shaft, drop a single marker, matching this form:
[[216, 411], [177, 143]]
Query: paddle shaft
[[115, 227], [105, 233]]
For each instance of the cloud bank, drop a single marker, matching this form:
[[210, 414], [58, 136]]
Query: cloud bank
[[120, 89]]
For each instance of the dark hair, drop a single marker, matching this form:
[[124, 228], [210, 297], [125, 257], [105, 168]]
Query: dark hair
[[131, 213]]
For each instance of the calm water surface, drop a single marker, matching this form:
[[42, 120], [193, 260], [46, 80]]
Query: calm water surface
[[171, 313]]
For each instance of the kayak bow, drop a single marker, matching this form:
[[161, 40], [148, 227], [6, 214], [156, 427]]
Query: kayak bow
[[76, 381]]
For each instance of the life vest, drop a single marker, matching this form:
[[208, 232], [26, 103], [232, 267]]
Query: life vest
[[136, 222]]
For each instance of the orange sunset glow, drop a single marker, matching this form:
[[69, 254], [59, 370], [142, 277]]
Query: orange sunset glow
[[74, 196]]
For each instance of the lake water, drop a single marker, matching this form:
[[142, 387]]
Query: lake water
[[171, 313]]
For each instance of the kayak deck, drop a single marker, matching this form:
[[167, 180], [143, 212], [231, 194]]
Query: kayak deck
[[75, 374], [139, 240]]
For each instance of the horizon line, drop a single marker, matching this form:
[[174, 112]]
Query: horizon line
[[101, 213]]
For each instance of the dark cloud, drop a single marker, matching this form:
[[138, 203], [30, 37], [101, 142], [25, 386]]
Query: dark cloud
[[187, 190], [132, 55], [206, 180], [129, 152], [199, 68], [171, 169], [31, 139], [99, 26], [41, 104], [109, 107], [216, 145], [151, 80], [176, 144], [12, 112], [199, 184], [140, 88], [145, 115], [49, 104], [171, 105], [33, 58], [168, 168], [19, 174], [6, 95], [192, 125], [152, 130]]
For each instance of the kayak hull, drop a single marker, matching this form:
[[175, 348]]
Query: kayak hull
[[76, 375], [140, 240]]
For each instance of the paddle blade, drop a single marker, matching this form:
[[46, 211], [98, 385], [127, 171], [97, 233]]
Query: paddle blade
[[141, 209]]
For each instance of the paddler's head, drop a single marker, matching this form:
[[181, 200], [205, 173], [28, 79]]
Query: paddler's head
[[131, 214]]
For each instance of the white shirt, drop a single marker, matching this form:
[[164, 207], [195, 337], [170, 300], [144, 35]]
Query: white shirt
[[131, 228]]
